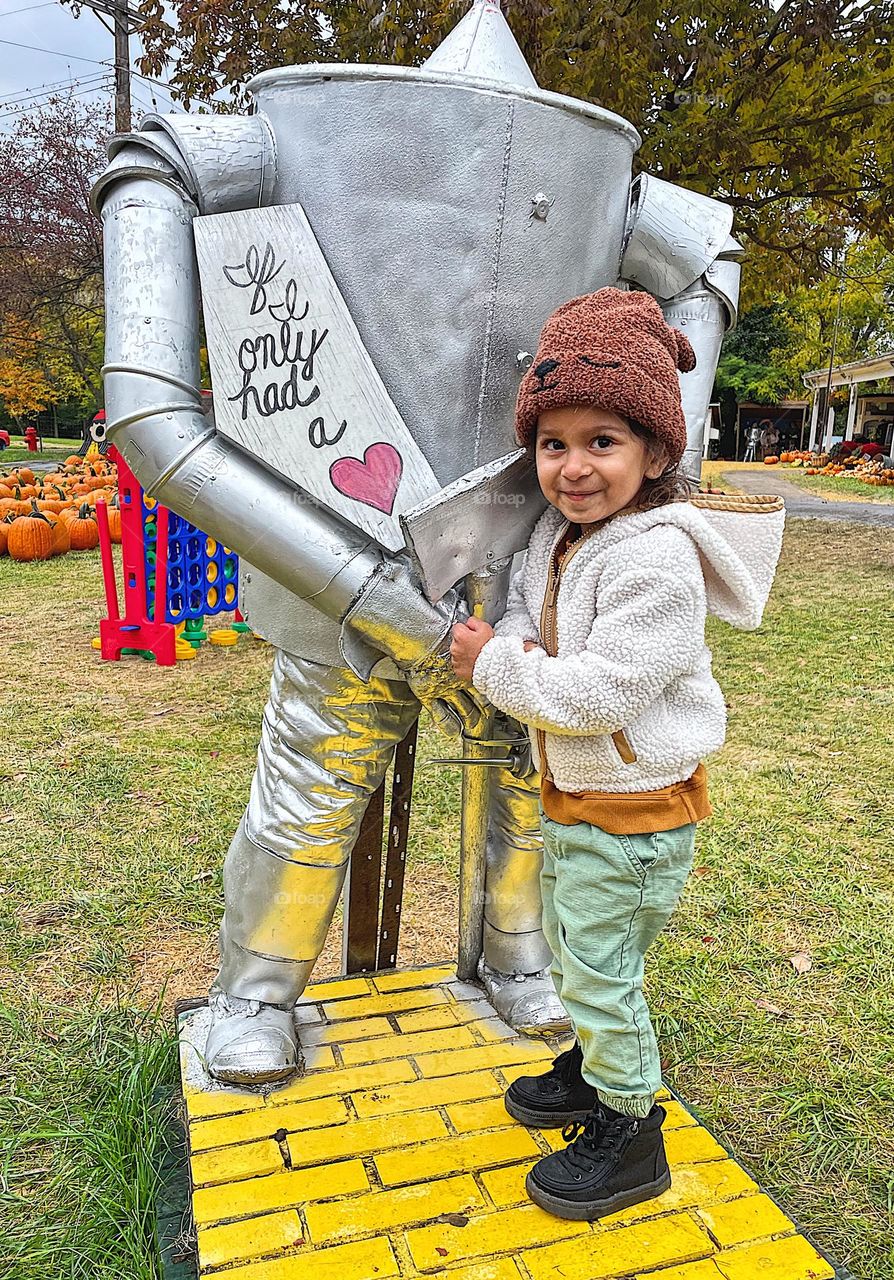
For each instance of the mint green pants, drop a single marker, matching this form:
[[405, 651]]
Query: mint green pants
[[605, 900]]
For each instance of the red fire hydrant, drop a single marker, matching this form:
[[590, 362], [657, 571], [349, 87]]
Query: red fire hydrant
[[31, 439]]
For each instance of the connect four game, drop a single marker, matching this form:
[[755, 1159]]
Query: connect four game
[[202, 574]]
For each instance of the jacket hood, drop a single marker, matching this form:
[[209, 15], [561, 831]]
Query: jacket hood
[[738, 537]]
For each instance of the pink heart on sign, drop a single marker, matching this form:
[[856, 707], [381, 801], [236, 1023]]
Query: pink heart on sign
[[373, 481]]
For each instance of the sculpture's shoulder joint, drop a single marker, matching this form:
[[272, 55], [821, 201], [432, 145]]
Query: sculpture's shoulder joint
[[221, 162], [675, 236]]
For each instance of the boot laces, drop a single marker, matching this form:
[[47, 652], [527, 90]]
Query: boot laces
[[588, 1139], [561, 1073]]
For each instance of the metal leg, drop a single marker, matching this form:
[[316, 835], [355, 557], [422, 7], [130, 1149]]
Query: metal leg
[[326, 742], [516, 954]]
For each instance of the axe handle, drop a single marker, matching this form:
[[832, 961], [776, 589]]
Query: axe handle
[[486, 594]]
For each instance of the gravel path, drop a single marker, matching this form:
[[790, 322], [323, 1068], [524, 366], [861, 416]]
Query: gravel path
[[800, 503]]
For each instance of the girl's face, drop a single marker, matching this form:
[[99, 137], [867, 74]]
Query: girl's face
[[589, 463]]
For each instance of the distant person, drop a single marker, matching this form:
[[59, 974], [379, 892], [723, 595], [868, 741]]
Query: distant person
[[769, 439], [752, 436]]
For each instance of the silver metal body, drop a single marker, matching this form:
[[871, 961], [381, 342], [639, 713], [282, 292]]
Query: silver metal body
[[457, 205]]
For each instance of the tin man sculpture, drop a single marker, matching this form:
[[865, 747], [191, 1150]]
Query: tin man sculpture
[[456, 206]]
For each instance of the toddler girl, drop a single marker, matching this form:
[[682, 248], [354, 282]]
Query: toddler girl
[[602, 654]]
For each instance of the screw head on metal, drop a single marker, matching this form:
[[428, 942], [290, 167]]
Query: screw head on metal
[[541, 204]]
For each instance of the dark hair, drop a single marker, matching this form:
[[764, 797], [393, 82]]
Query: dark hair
[[673, 485]]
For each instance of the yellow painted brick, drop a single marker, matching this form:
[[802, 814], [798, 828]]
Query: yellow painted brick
[[789, 1259], [687, 1146], [227, 1130], [750, 1218], [683, 1146], [318, 1057], [220, 1102], [490, 1269], [428, 976], [493, 1233], [319, 1084], [677, 1116], [492, 1029], [362, 1137], [658, 1242], [384, 1210], [393, 1002], [528, 1068], [339, 989], [692, 1185], [341, 1032], [483, 1056], [230, 1164], [704, 1270], [239, 1241], [470, 1117], [419, 1094], [371, 1259], [444, 1016], [506, 1186], [441, 1015], [277, 1191], [470, 1151], [663, 1095], [397, 1046]]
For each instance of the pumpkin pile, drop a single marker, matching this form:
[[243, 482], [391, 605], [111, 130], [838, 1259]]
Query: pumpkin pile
[[43, 515], [866, 469]]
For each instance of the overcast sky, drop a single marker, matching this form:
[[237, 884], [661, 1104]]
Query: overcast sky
[[63, 50]]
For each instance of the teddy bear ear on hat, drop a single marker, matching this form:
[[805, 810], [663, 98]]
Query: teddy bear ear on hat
[[685, 355]]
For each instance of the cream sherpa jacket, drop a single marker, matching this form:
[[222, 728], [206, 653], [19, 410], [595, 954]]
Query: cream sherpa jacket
[[631, 652]]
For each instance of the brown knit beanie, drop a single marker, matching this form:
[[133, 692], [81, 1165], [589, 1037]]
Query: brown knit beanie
[[614, 350]]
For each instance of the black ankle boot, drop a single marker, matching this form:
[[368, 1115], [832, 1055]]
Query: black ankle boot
[[611, 1162], [558, 1097]]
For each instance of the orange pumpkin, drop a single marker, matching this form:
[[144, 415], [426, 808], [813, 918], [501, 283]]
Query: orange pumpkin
[[114, 513], [83, 530], [770, 460], [4, 533], [61, 535], [30, 537], [74, 460]]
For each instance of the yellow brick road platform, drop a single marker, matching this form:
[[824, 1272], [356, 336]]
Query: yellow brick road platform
[[393, 1156]]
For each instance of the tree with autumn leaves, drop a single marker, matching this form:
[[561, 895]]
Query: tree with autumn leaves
[[51, 305], [784, 110]]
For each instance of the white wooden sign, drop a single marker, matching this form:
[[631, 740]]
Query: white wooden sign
[[293, 382]]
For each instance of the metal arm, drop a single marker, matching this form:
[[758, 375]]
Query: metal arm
[[678, 247], [155, 418]]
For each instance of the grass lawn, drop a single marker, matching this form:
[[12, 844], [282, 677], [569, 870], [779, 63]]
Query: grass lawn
[[121, 784], [52, 450], [841, 488]]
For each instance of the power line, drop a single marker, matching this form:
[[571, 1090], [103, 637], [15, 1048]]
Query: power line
[[93, 88], [30, 106], [45, 4], [36, 48], [51, 88]]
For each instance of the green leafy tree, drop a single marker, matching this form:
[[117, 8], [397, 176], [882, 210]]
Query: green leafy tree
[[751, 364]]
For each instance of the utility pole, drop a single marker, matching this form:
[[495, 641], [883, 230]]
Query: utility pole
[[124, 21], [122, 68]]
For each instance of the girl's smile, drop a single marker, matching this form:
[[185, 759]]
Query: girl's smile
[[590, 464]]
